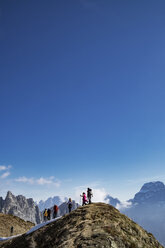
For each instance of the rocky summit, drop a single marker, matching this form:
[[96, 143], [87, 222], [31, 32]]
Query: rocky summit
[[21, 207], [96, 225], [151, 193]]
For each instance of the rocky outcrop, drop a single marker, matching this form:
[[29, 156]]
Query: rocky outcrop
[[95, 225], [21, 207]]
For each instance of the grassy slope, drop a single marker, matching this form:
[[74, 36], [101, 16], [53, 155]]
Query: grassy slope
[[20, 226], [95, 225]]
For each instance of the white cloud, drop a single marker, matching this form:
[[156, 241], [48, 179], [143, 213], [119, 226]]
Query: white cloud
[[124, 204], [25, 180], [6, 174], [39, 181], [42, 181], [2, 167], [99, 195], [5, 169]]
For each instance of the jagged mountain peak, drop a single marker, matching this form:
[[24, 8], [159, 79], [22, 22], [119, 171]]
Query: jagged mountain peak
[[152, 186], [9, 195], [20, 206], [150, 193]]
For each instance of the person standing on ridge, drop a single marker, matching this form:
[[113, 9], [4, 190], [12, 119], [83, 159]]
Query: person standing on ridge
[[70, 205], [11, 230], [45, 215], [49, 213], [55, 208], [89, 195], [84, 199]]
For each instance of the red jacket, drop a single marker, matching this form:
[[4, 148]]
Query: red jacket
[[55, 208]]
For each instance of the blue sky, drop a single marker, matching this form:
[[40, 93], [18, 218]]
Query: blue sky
[[82, 96]]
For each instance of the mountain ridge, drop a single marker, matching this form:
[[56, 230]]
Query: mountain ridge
[[94, 225]]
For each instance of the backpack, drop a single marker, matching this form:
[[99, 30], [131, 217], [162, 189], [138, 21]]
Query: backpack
[[45, 213], [70, 205], [89, 192], [55, 208]]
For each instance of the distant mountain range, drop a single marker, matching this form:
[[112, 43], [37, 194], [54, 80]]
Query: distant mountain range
[[51, 201], [28, 210], [147, 208]]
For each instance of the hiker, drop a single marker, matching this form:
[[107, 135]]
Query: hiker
[[49, 213], [70, 205], [89, 195], [84, 199], [11, 230], [45, 214], [55, 208]]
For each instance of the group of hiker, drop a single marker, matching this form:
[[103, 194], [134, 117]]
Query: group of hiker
[[85, 200], [47, 213]]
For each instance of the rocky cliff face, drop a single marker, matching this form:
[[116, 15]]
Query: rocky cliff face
[[95, 225], [21, 207], [151, 193]]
